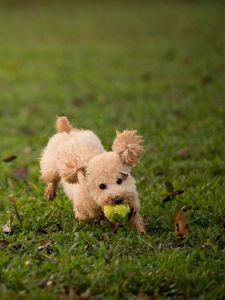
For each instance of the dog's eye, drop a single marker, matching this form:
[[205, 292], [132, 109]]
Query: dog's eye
[[119, 181], [102, 186]]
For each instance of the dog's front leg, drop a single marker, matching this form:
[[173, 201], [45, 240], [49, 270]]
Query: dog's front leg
[[50, 190], [137, 222]]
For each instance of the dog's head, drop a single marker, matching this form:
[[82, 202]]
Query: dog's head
[[108, 174]]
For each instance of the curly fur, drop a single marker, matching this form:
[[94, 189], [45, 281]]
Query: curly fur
[[78, 160], [69, 163], [128, 145]]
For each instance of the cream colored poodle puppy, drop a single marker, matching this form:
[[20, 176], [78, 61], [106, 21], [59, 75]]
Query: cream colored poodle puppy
[[90, 176]]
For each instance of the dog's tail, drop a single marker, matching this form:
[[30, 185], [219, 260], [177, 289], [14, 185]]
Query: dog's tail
[[63, 125]]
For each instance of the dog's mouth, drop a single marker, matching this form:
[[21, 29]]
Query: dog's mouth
[[120, 200], [116, 201]]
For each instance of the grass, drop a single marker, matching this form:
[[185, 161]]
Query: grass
[[156, 67]]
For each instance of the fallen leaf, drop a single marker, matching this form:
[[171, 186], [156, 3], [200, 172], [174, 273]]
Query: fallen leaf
[[7, 228], [21, 173], [43, 244], [53, 228], [183, 152], [9, 158], [181, 223], [4, 244]]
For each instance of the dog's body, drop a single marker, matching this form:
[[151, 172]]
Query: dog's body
[[90, 176]]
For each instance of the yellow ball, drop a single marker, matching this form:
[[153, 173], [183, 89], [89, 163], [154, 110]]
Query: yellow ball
[[116, 212]]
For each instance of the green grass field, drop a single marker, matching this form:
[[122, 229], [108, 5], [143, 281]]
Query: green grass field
[[155, 67]]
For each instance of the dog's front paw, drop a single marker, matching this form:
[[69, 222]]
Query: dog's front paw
[[141, 230], [137, 222], [50, 191]]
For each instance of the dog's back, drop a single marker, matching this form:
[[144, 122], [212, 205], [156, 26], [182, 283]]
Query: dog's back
[[69, 143], [83, 144]]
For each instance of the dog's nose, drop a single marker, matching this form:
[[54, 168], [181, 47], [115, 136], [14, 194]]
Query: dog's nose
[[118, 200]]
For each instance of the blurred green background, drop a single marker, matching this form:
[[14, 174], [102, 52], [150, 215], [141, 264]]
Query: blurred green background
[[155, 66]]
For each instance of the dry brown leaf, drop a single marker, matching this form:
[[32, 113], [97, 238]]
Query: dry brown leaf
[[7, 228], [43, 244], [9, 158], [181, 223]]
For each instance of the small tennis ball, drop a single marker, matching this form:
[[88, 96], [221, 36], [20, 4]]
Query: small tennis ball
[[116, 212]]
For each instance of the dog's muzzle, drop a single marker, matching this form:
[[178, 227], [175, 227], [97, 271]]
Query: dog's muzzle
[[117, 200]]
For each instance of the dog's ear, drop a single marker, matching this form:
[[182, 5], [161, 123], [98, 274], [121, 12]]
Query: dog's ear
[[128, 145], [70, 166]]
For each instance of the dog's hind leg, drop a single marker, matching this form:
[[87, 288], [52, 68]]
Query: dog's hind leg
[[48, 168], [50, 176], [50, 190], [50, 155]]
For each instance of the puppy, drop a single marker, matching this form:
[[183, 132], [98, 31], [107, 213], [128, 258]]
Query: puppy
[[90, 176]]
